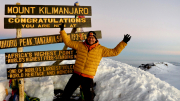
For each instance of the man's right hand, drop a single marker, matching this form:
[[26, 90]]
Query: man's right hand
[[61, 26], [126, 38]]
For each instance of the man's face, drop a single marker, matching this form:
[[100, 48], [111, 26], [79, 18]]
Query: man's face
[[91, 40]]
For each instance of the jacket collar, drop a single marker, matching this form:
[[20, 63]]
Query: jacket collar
[[90, 47]]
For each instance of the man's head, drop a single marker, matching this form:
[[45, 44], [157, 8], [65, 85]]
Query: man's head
[[91, 37]]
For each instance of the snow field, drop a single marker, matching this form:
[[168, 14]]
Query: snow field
[[127, 83], [115, 81]]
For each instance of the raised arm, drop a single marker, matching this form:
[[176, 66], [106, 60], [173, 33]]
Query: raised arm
[[67, 41], [114, 52]]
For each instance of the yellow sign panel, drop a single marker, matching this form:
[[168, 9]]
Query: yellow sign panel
[[23, 57], [41, 40], [46, 22], [47, 10]]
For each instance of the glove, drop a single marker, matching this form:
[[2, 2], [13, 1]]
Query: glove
[[126, 38], [61, 27]]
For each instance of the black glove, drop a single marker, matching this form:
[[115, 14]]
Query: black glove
[[126, 38], [61, 26]]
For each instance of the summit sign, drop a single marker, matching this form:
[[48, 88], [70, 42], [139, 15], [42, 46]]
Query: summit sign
[[21, 57], [47, 10]]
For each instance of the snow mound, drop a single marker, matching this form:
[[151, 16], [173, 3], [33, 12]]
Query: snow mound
[[42, 88], [127, 83], [2, 91], [115, 81], [164, 67], [167, 72]]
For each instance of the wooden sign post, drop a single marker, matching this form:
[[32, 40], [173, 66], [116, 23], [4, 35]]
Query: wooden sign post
[[20, 65], [21, 57]]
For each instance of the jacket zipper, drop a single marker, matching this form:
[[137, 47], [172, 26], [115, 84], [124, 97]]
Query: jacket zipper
[[86, 57]]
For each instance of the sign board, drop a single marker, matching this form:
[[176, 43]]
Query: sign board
[[11, 23], [37, 56], [83, 35], [42, 40], [39, 71], [47, 10]]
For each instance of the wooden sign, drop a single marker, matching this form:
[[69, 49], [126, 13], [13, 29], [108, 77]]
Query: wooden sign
[[42, 40], [10, 23], [37, 56], [83, 35], [47, 10], [39, 71]]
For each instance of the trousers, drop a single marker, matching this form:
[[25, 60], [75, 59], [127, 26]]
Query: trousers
[[74, 82]]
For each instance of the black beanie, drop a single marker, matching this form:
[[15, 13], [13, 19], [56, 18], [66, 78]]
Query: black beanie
[[91, 33]]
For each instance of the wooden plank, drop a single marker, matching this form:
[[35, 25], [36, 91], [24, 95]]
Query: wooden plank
[[83, 35], [37, 56], [20, 65], [42, 40], [11, 23], [39, 71], [47, 10]]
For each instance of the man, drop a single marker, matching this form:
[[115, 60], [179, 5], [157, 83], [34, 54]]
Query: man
[[89, 55]]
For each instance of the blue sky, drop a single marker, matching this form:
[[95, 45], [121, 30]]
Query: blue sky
[[153, 24]]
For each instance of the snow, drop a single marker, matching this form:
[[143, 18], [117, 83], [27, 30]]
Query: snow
[[127, 83], [115, 81], [167, 72]]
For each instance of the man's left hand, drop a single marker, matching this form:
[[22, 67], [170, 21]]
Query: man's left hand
[[126, 38]]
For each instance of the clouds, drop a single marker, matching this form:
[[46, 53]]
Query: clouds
[[156, 52]]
